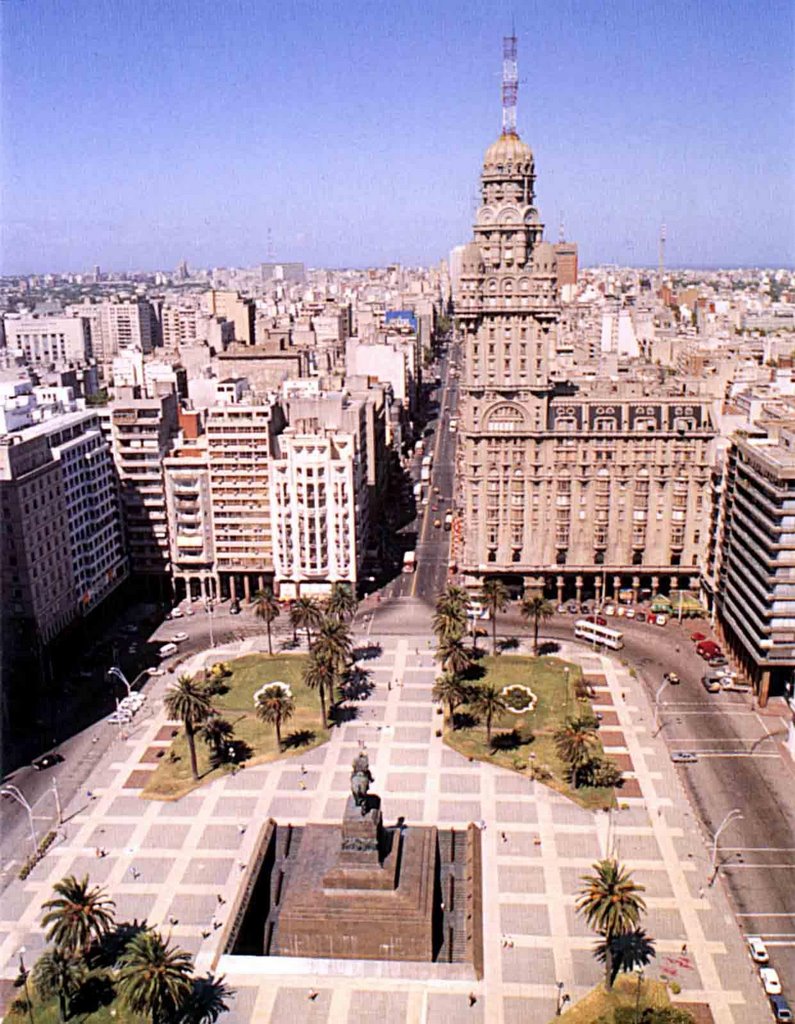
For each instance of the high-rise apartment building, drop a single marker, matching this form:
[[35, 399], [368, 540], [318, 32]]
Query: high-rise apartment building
[[142, 432], [50, 340], [239, 311], [572, 487], [186, 474]]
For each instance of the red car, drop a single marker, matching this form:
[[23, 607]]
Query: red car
[[697, 637], [708, 649], [598, 619]]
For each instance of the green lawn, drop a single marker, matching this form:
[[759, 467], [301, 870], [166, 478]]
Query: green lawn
[[555, 690], [625, 992], [172, 778], [46, 1012]]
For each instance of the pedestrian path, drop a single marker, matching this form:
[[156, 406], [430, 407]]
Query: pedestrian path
[[178, 865]]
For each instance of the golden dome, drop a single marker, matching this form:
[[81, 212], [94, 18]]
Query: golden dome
[[508, 152]]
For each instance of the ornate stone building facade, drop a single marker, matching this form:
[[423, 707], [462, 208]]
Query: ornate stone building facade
[[582, 488]]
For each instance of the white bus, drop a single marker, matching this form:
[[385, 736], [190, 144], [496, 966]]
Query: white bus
[[596, 634], [409, 561]]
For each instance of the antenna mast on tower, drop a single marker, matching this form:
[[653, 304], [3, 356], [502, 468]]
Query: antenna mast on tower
[[661, 255], [510, 85]]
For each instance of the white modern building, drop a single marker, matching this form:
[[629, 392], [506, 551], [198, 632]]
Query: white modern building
[[49, 340]]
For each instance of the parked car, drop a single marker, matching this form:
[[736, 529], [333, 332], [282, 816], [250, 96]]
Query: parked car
[[698, 637], [177, 638], [561, 608], [757, 949], [609, 609], [661, 620], [717, 661], [710, 683], [175, 613], [770, 980], [155, 671], [640, 616], [437, 523], [782, 1011], [621, 611], [684, 757], [630, 613], [47, 761], [598, 619], [167, 650], [234, 607], [707, 649], [572, 608]]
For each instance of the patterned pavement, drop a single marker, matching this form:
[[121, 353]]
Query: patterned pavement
[[179, 865]]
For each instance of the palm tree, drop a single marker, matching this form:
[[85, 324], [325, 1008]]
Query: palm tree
[[534, 606], [305, 613], [575, 741], [487, 701], [77, 915], [207, 1000], [155, 979], [319, 675], [275, 705], [190, 703], [611, 903], [453, 655], [217, 733], [449, 623], [452, 596], [266, 607], [342, 603], [494, 595], [60, 974], [334, 643], [448, 689]]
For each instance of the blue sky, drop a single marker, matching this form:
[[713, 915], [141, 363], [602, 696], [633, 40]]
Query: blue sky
[[136, 133]]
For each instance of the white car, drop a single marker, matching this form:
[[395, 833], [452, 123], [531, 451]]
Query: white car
[[175, 614], [757, 949], [770, 980], [155, 672], [630, 613], [167, 650], [609, 609], [120, 718], [177, 638]]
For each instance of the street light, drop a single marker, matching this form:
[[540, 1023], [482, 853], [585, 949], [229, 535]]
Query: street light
[[657, 703], [15, 794], [563, 998], [57, 796], [118, 674], [208, 604], [733, 815]]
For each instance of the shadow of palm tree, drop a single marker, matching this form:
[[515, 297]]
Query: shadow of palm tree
[[464, 720], [357, 685], [368, 652], [299, 738], [508, 643], [633, 949], [548, 647], [109, 949]]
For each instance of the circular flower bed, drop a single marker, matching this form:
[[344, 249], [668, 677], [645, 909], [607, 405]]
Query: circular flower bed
[[519, 698], [283, 688]]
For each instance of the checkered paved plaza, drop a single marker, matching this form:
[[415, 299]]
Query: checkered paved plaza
[[179, 865]]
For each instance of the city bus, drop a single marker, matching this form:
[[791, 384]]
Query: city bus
[[593, 633]]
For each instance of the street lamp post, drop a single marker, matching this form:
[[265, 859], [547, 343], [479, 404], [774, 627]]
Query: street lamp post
[[15, 794], [208, 604], [733, 815], [118, 674], [23, 973], [563, 998], [657, 704], [57, 796]]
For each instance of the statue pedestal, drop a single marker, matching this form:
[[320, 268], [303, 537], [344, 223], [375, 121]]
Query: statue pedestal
[[367, 859]]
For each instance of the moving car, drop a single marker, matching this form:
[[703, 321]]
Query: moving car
[[684, 757], [757, 949], [155, 672], [175, 613], [672, 678], [782, 1011], [770, 980], [47, 761], [177, 638], [437, 523], [697, 638], [167, 650]]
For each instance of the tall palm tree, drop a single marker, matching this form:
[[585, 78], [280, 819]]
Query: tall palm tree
[[155, 979], [77, 915], [217, 733], [487, 701], [266, 607], [452, 596], [305, 613], [342, 603], [275, 705], [60, 974], [447, 623], [190, 703], [334, 643], [495, 596], [611, 903], [534, 606], [449, 690], [453, 655], [319, 675], [575, 741], [207, 1000]]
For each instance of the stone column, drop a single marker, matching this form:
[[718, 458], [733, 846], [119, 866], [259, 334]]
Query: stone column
[[764, 688], [635, 588], [655, 585], [233, 586], [203, 585], [578, 588], [559, 583], [260, 582], [616, 587], [247, 587], [597, 583]]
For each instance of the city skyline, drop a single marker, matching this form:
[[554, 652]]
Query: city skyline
[[349, 138]]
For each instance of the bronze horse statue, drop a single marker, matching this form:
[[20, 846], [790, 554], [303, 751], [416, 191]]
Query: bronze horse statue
[[360, 780]]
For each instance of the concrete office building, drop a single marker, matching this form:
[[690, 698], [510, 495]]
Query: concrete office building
[[755, 596], [579, 489], [186, 474], [232, 307], [50, 340]]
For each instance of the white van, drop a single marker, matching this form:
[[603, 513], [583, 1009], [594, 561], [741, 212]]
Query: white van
[[167, 650]]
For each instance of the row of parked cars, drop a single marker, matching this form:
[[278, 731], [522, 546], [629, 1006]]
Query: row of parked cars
[[768, 975], [128, 708], [621, 611]]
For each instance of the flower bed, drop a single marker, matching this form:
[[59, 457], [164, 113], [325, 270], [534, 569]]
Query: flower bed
[[519, 698]]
